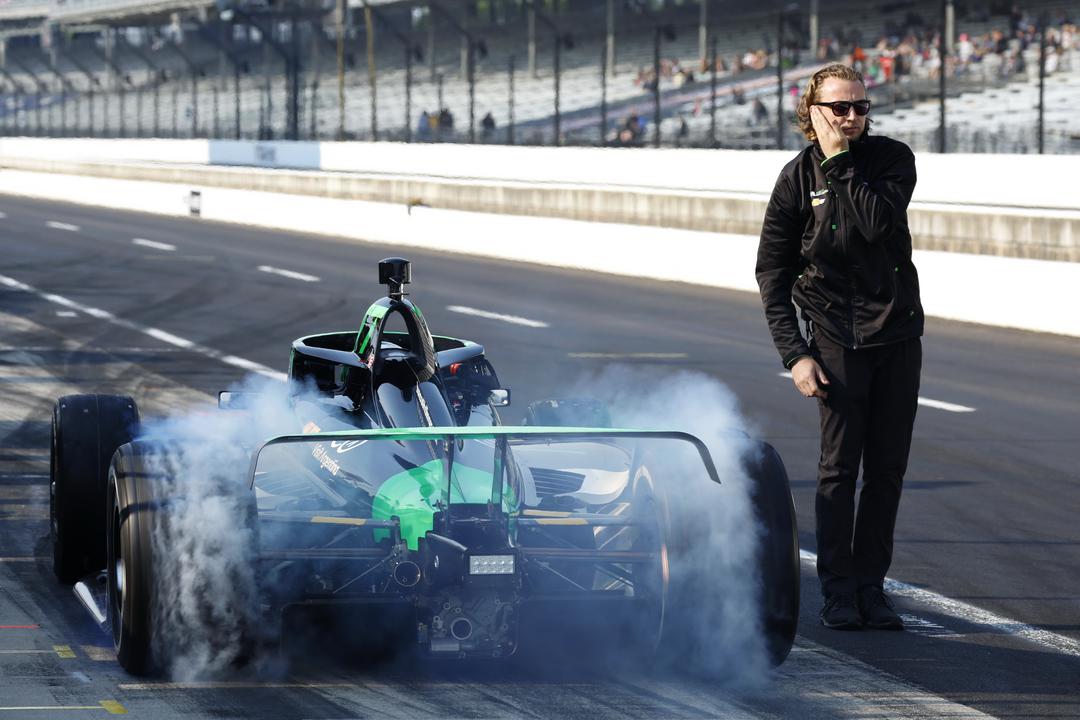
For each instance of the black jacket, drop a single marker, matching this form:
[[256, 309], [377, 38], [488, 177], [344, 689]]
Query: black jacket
[[835, 239]]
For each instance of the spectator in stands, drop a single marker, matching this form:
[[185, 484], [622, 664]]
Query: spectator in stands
[[642, 125], [835, 239], [446, 122], [1017, 19], [682, 76], [758, 113], [650, 81], [630, 132], [488, 126], [423, 127]]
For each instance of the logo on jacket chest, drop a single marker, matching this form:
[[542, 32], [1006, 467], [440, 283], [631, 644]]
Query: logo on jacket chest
[[818, 197]]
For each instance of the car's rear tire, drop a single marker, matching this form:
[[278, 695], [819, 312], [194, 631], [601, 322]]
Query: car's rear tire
[[692, 617], [141, 569], [650, 580], [132, 503], [86, 431], [778, 553]]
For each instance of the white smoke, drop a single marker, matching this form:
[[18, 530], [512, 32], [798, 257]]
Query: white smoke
[[724, 638], [204, 537], [207, 618]]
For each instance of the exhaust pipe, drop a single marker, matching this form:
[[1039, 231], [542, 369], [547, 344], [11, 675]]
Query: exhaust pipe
[[461, 629], [407, 573]]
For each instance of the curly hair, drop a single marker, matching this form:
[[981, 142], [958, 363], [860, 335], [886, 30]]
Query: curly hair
[[813, 94]]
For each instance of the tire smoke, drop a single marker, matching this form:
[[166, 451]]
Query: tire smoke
[[713, 627], [206, 614]]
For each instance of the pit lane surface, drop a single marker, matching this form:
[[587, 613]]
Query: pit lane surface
[[988, 516]]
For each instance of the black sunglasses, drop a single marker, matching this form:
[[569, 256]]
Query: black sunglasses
[[840, 108]]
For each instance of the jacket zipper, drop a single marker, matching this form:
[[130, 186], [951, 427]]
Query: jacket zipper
[[844, 249], [854, 332]]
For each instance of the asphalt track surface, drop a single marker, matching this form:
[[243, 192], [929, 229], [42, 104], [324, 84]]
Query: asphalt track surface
[[988, 517]]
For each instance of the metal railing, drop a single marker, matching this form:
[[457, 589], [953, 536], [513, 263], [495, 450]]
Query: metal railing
[[67, 10], [21, 9]]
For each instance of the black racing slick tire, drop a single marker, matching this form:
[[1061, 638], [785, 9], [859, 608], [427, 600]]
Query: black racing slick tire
[[778, 552], [132, 504], [86, 431], [164, 607]]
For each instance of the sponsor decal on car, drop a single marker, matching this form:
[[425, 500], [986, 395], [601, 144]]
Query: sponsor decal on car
[[325, 461], [344, 446]]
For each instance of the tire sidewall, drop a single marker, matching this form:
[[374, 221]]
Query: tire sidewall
[[778, 553], [132, 506]]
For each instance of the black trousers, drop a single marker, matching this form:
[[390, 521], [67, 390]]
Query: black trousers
[[868, 417]]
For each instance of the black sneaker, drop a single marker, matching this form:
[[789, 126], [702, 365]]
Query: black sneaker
[[841, 613], [877, 610]]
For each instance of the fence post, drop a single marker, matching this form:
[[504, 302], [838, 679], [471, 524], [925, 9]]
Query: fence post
[[511, 102]]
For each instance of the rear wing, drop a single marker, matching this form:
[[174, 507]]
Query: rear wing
[[501, 435]]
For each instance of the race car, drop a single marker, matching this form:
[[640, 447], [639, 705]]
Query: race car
[[400, 490]]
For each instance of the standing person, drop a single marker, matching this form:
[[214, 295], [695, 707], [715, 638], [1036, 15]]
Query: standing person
[[488, 125], [835, 239]]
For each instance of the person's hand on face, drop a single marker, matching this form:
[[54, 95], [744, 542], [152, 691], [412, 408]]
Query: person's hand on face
[[829, 135]]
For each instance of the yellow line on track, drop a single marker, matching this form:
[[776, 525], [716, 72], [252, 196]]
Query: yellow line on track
[[338, 520]]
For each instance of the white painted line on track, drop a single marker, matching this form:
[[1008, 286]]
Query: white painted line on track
[[99, 314], [153, 244], [66, 313], [110, 706], [251, 366], [62, 226], [156, 333], [169, 338], [974, 615], [60, 300], [946, 406], [925, 402], [488, 315], [288, 273], [14, 284]]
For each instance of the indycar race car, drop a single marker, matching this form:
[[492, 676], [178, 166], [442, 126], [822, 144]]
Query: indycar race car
[[401, 492]]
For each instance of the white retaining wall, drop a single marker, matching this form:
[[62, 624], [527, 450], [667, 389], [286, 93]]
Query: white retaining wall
[[1011, 292], [1032, 181]]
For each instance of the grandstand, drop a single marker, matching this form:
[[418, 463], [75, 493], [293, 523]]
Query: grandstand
[[270, 69]]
